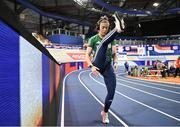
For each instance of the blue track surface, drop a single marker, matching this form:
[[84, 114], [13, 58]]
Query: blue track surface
[[136, 102]]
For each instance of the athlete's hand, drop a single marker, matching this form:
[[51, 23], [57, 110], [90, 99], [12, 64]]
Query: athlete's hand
[[95, 70], [115, 65]]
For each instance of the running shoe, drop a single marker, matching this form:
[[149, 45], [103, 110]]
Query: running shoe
[[105, 118], [119, 22]]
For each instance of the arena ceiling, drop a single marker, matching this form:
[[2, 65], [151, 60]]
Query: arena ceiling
[[88, 11]]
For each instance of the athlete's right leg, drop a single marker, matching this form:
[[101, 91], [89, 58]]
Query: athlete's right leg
[[100, 56]]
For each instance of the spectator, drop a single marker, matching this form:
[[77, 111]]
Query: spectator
[[177, 67], [135, 71], [159, 65], [126, 66], [145, 72], [155, 64], [164, 70], [171, 70]]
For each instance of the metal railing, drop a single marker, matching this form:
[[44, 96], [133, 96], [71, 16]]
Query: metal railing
[[62, 31]]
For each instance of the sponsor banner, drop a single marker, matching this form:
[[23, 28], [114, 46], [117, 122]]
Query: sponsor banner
[[141, 50], [174, 47], [154, 58], [165, 49], [67, 55], [77, 56], [127, 48], [151, 57], [134, 47], [120, 49], [122, 57], [132, 53], [150, 48]]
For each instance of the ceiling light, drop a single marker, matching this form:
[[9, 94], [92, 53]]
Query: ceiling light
[[155, 4], [81, 2]]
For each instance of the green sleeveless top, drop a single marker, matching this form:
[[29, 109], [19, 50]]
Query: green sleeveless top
[[94, 42]]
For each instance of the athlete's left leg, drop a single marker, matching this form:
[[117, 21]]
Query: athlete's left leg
[[110, 81]]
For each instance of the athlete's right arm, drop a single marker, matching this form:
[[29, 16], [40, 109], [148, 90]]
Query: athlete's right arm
[[88, 56], [89, 61]]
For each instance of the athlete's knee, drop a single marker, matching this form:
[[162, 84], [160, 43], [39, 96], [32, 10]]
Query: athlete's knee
[[111, 96], [110, 101]]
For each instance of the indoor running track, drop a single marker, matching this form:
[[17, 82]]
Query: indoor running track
[[136, 102]]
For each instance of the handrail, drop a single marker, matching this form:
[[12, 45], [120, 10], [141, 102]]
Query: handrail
[[62, 31]]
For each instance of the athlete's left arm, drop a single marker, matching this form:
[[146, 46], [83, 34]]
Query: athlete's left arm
[[114, 57], [114, 54]]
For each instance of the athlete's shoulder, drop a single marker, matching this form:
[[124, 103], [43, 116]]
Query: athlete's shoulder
[[92, 40], [95, 37]]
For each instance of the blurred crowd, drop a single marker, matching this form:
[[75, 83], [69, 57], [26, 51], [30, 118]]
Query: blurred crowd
[[158, 69]]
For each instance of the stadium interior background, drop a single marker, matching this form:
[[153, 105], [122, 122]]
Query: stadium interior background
[[41, 41]]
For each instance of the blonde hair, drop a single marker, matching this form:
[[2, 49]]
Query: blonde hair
[[103, 19]]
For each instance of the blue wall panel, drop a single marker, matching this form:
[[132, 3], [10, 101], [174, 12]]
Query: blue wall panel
[[45, 80], [140, 63], [65, 39], [80, 65], [9, 77]]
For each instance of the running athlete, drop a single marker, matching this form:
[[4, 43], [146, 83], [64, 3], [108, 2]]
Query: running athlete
[[102, 46]]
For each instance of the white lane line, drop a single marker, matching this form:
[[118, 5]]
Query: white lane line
[[155, 95], [150, 82], [140, 84], [148, 92], [122, 122], [63, 95], [141, 103]]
